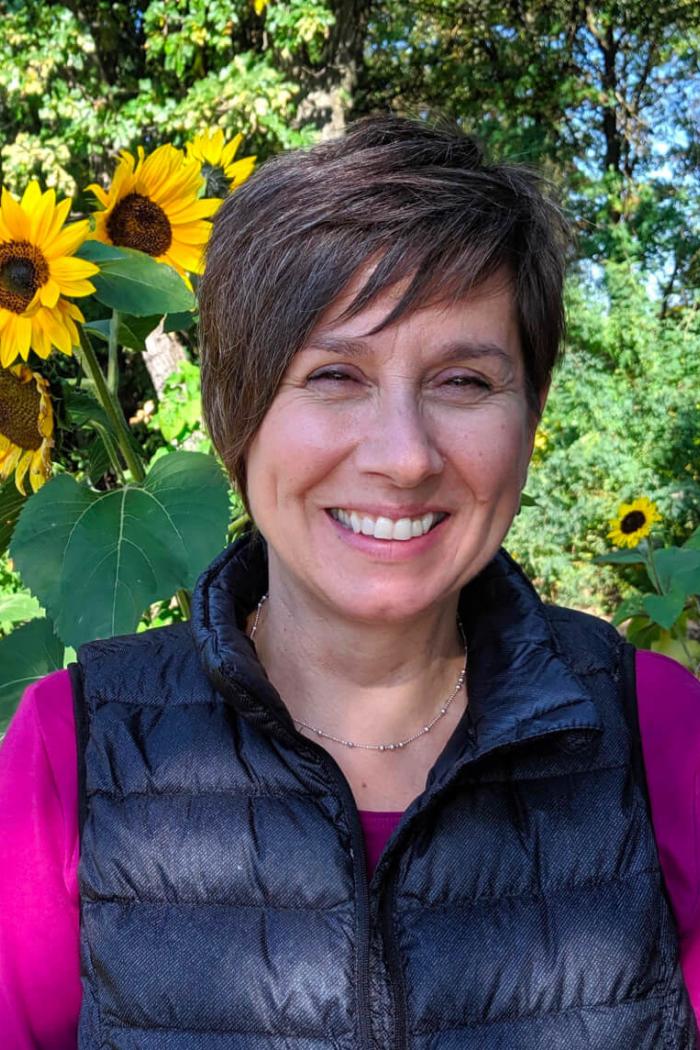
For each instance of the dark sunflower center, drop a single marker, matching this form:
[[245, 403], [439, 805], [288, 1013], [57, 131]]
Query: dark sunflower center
[[19, 411], [632, 522], [23, 270], [138, 222]]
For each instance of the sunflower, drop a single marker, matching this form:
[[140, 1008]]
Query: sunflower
[[221, 171], [634, 521], [36, 270], [26, 426], [153, 205]]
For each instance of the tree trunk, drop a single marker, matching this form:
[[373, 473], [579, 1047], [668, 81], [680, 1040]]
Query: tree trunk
[[328, 87], [163, 355]]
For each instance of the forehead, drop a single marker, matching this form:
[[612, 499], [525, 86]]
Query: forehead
[[485, 318]]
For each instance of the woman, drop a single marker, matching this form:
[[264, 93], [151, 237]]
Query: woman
[[380, 320]]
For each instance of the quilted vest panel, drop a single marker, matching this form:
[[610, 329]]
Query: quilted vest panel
[[224, 903]]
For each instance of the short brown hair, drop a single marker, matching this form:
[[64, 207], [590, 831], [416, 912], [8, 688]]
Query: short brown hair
[[421, 199]]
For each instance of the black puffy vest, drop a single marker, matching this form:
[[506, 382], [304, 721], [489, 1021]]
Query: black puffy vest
[[224, 902]]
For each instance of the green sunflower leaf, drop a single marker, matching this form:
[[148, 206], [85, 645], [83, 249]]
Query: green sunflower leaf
[[17, 608], [628, 609], [30, 652], [678, 569], [664, 609], [693, 541], [97, 560], [629, 557], [134, 283], [179, 322], [131, 333], [11, 503]]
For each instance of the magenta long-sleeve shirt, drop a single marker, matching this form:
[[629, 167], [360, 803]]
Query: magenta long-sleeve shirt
[[39, 911]]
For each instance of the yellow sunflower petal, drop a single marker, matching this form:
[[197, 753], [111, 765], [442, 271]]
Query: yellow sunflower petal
[[97, 191], [49, 293], [195, 234], [22, 468], [23, 329], [71, 310], [10, 462], [8, 351], [41, 215], [240, 170], [194, 211], [38, 472], [59, 333], [66, 241], [16, 220], [230, 149], [71, 269], [186, 258], [31, 198]]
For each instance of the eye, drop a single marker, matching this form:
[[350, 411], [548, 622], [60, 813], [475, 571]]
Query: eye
[[460, 381], [332, 375]]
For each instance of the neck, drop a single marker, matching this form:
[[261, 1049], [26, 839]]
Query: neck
[[363, 682]]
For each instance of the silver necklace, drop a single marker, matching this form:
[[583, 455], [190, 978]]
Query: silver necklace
[[397, 745]]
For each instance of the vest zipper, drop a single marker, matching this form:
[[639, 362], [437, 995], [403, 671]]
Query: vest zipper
[[362, 883], [398, 988]]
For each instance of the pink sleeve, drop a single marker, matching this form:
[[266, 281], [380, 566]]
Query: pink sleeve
[[668, 698], [39, 918]]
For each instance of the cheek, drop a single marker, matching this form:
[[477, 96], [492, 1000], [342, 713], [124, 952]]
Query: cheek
[[493, 458], [292, 451]]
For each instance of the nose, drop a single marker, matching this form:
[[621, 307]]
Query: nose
[[397, 443]]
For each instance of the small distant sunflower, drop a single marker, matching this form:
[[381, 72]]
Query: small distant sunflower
[[26, 426], [221, 171], [634, 521], [153, 205], [36, 270]]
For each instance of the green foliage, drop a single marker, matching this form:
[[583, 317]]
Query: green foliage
[[299, 26], [134, 283], [11, 503], [622, 421], [97, 560], [31, 651], [179, 415], [571, 88]]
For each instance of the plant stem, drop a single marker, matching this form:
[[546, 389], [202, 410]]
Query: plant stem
[[238, 523], [651, 570], [183, 600], [113, 359], [112, 407], [112, 452]]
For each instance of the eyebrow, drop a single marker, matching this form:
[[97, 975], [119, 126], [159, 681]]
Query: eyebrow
[[453, 351]]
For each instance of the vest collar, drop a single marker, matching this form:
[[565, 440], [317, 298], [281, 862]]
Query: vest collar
[[520, 686]]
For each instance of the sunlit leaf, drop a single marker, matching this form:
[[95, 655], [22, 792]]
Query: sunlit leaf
[[96, 560]]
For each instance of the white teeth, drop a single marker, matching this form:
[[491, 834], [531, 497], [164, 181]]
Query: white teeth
[[402, 529], [383, 528]]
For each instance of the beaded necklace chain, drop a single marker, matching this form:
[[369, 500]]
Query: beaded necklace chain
[[397, 745]]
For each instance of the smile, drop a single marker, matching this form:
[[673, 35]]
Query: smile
[[382, 528]]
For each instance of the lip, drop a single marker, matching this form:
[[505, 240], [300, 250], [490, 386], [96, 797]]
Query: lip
[[388, 550]]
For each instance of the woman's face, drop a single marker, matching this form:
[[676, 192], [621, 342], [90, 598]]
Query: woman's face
[[425, 424]]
